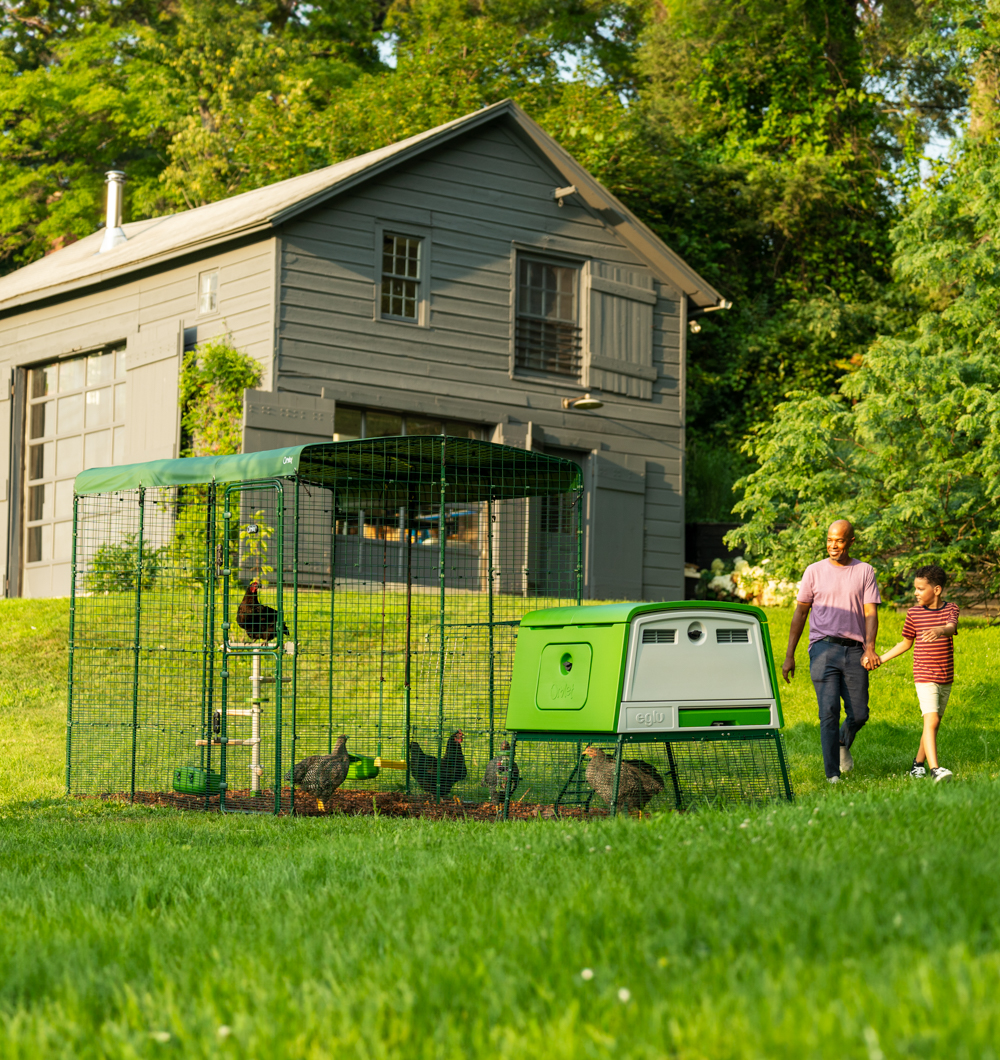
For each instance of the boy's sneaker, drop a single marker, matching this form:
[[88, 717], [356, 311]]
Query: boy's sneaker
[[833, 780], [918, 770], [846, 761], [940, 774]]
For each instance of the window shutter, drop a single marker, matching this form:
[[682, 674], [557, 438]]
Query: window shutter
[[620, 331]]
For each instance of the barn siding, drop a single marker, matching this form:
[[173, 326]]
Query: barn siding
[[165, 300], [304, 304], [479, 197]]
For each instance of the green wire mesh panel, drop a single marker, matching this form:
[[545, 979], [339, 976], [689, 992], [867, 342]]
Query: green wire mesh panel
[[140, 641], [411, 639], [400, 569], [555, 775]]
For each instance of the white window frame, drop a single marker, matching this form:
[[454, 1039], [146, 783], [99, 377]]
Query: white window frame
[[114, 424], [209, 314], [408, 231]]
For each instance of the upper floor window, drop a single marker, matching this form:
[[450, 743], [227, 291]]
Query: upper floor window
[[208, 293], [402, 267], [547, 332]]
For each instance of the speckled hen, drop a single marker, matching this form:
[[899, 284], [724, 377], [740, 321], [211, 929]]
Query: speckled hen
[[321, 775], [496, 774]]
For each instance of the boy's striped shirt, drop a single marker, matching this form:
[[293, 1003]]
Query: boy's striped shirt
[[934, 661]]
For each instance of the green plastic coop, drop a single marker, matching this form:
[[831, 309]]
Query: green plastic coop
[[692, 683]]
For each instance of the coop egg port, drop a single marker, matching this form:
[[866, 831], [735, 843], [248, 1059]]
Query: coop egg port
[[401, 569]]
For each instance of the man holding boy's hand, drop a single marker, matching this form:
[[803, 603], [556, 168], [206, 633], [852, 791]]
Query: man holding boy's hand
[[844, 598]]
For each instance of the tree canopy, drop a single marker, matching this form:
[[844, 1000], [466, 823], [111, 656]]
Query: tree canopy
[[775, 144]]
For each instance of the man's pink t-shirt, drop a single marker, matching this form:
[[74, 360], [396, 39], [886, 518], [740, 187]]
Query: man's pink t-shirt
[[838, 595]]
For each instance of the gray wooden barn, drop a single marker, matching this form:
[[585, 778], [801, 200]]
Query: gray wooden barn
[[473, 280]]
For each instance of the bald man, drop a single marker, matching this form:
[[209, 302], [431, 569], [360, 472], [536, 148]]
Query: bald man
[[843, 595]]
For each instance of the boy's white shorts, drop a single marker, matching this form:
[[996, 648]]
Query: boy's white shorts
[[933, 698]]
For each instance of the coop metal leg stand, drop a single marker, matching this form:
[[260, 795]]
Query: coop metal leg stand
[[619, 748], [506, 782], [673, 776], [779, 747]]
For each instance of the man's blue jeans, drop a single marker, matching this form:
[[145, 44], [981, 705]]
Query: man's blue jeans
[[837, 674]]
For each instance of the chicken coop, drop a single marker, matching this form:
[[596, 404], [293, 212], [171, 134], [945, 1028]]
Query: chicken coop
[[618, 704], [233, 616]]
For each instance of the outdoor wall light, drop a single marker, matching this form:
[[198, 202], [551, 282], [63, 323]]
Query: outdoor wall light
[[584, 403]]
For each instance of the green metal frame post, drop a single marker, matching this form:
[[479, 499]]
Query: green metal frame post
[[780, 750], [489, 590], [579, 543], [205, 627], [381, 644], [278, 634], [510, 770], [442, 536], [211, 576], [137, 636], [72, 644], [333, 600], [295, 656], [673, 776], [619, 752], [411, 507]]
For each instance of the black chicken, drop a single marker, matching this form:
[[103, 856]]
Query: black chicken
[[321, 775], [496, 775], [257, 620], [424, 767], [638, 781]]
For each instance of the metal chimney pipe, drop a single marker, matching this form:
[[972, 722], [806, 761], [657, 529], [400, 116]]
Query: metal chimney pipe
[[113, 234]]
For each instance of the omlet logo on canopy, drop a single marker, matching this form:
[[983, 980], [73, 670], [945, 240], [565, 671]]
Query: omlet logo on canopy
[[286, 460]]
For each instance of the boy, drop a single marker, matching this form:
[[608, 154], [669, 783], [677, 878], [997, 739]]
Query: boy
[[931, 624]]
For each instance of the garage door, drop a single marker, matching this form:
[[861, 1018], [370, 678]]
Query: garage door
[[75, 420]]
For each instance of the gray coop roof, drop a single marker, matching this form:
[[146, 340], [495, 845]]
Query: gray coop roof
[[470, 470], [161, 239]]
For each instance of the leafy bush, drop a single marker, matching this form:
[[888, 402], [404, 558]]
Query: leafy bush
[[113, 569], [212, 382]]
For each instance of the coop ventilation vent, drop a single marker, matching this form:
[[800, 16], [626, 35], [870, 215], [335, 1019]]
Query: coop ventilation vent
[[732, 636], [659, 636]]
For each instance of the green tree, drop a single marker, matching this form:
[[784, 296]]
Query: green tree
[[195, 100], [907, 448], [793, 125]]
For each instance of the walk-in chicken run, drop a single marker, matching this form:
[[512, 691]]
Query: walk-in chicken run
[[332, 627]]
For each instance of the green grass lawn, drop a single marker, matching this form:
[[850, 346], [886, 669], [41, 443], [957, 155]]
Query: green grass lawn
[[861, 921]]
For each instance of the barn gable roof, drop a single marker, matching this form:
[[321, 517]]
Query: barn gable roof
[[161, 239]]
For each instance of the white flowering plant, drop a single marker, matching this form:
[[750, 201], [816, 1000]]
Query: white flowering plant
[[741, 582]]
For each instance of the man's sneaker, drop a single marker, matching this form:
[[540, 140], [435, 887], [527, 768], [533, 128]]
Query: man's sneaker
[[846, 761], [940, 774], [918, 770], [833, 780]]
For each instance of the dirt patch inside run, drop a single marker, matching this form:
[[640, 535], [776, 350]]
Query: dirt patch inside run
[[357, 804]]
